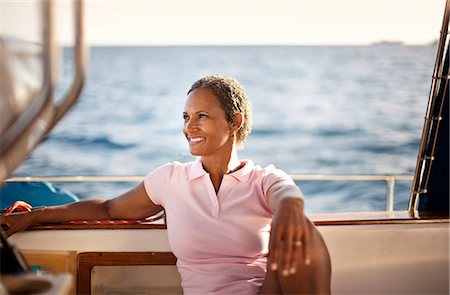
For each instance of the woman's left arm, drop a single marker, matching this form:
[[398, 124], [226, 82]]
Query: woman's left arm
[[290, 234]]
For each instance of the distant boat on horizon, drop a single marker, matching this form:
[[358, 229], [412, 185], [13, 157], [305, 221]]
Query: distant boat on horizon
[[386, 42]]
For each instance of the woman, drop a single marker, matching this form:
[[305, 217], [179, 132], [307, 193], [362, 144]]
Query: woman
[[223, 214]]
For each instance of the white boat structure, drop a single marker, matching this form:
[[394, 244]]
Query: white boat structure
[[385, 252]]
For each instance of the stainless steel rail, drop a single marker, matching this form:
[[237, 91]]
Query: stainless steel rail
[[44, 112], [433, 118], [389, 179]]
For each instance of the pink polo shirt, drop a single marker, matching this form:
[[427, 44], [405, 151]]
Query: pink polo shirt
[[220, 240]]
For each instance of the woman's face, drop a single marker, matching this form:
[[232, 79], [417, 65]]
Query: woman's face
[[205, 126]]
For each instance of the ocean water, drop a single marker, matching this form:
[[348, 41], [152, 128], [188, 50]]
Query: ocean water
[[316, 110]]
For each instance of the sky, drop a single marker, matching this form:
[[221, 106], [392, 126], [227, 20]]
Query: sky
[[233, 22]]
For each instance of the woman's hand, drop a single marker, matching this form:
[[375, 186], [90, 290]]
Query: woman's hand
[[290, 236], [134, 204], [17, 222]]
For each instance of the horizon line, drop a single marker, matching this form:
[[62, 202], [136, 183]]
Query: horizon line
[[382, 43]]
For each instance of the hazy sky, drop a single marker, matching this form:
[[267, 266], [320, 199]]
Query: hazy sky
[[142, 22]]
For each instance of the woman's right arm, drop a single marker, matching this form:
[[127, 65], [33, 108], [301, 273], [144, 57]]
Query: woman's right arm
[[134, 204]]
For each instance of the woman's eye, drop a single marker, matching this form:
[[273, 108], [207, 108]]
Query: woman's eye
[[203, 116], [185, 118]]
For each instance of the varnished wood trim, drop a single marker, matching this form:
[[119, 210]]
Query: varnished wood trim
[[380, 217], [163, 226], [379, 221], [327, 219], [65, 226], [87, 260]]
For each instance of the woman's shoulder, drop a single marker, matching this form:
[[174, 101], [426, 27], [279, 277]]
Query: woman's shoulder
[[171, 168], [265, 176], [258, 168], [265, 171], [177, 164]]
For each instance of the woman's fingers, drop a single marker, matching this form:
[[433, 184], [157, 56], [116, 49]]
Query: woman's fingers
[[307, 237], [289, 240], [15, 223], [287, 245], [288, 250], [5, 221], [274, 245], [297, 247]]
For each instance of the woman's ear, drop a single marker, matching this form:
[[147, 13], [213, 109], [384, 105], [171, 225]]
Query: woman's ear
[[238, 120]]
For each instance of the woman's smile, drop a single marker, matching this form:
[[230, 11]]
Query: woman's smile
[[196, 140], [206, 128]]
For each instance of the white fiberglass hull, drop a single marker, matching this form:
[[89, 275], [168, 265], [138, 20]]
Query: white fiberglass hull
[[377, 258]]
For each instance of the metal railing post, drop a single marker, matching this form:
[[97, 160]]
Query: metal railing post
[[390, 191]]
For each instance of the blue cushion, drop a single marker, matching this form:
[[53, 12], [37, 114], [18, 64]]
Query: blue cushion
[[35, 194]]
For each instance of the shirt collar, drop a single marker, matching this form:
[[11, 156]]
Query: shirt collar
[[243, 174], [196, 170]]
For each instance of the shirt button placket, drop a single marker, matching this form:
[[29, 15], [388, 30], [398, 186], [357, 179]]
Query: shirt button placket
[[212, 196], [215, 211]]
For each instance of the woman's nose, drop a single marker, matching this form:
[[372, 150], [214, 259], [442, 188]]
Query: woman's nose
[[190, 125]]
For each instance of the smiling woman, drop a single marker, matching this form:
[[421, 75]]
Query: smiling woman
[[248, 210], [235, 226], [206, 127], [233, 102]]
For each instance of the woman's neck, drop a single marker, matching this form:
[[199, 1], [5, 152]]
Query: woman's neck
[[221, 166], [218, 167]]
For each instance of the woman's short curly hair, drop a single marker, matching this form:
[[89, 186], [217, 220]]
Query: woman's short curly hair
[[232, 98]]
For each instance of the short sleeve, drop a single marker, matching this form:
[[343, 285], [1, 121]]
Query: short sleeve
[[273, 176], [157, 181], [280, 181]]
